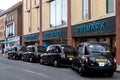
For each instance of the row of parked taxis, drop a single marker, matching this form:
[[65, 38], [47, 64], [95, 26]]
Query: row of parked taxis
[[89, 57]]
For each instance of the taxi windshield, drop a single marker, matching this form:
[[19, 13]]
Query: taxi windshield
[[94, 48], [68, 49]]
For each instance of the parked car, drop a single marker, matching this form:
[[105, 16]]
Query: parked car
[[94, 58], [33, 53], [16, 52], [58, 54]]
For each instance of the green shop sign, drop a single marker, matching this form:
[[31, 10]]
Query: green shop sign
[[93, 28], [55, 34], [31, 37]]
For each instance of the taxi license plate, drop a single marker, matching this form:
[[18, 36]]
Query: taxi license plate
[[41, 53], [70, 56], [70, 59], [101, 60], [101, 64]]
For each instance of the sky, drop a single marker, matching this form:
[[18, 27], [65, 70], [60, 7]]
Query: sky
[[5, 4]]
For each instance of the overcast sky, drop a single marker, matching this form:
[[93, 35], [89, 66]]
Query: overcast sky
[[5, 4]]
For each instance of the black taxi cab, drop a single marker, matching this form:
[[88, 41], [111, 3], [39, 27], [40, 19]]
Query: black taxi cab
[[58, 54], [94, 58]]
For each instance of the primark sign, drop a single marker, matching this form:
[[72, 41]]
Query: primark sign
[[93, 28]]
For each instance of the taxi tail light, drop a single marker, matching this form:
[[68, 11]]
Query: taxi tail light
[[115, 61], [86, 60]]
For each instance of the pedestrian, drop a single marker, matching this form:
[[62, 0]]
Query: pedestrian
[[2, 50]]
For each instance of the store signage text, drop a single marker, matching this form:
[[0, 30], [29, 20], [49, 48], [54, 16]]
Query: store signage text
[[54, 34], [32, 37], [91, 27], [14, 39]]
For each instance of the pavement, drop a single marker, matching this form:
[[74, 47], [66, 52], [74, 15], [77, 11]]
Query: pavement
[[118, 68], [5, 56]]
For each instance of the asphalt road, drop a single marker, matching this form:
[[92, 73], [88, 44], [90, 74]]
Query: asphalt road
[[19, 70]]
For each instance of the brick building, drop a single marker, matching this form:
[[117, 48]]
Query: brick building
[[13, 33], [2, 30]]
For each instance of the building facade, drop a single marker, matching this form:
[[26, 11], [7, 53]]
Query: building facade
[[13, 25], [56, 21], [71, 22], [31, 22], [2, 30]]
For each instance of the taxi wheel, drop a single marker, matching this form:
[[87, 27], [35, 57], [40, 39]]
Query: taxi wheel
[[31, 59], [41, 61], [110, 74], [13, 57], [22, 59], [55, 63], [72, 66], [82, 73], [8, 57]]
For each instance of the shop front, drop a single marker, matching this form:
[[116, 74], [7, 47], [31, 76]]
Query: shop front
[[57, 36], [14, 41], [103, 30], [31, 39]]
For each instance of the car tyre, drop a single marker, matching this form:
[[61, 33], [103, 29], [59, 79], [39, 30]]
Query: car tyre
[[13, 57], [31, 59], [55, 63], [22, 58], [8, 57], [72, 66], [80, 70], [110, 74], [41, 61]]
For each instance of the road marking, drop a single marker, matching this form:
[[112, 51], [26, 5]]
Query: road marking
[[35, 72]]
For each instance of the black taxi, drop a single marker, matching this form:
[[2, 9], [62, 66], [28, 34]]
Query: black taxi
[[58, 54], [94, 58]]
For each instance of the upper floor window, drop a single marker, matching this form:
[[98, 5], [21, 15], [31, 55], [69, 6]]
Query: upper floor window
[[29, 18], [110, 5], [58, 12], [34, 2], [26, 4], [1, 22], [85, 9], [10, 30], [10, 18], [38, 19]]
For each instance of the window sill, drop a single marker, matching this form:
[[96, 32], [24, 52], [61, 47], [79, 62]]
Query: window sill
[[36, 6], [27, 10]]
